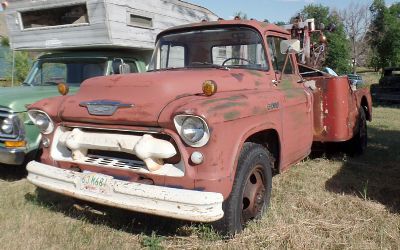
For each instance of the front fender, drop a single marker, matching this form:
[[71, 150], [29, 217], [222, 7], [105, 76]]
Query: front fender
[[232, 119]]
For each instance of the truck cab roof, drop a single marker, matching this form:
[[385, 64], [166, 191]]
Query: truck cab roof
[[262, 27]]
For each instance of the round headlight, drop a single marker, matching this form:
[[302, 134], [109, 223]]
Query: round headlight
[[193, 129], [42, 121], [7, 126]]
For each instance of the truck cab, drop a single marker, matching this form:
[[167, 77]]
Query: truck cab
[[222, 107], [19, 138]]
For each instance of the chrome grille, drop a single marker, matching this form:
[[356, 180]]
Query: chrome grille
[[113, 162]]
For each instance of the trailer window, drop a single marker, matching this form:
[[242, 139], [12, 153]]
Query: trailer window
[[67, 15], [140, 21]]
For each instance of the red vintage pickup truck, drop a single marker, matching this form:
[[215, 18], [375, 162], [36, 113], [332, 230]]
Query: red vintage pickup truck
[[198, 137]]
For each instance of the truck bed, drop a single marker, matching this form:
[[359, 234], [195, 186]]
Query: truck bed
[[336, 108]]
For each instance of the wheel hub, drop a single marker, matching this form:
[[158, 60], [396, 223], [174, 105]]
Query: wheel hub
[[253, 195]]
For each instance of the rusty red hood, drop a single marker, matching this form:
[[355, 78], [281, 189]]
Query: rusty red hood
[[148, 93]]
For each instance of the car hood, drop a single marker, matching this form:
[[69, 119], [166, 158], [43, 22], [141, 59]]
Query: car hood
[[17, 98], [148, 93]]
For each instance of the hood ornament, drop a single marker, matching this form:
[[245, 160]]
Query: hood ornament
[[104, 107]]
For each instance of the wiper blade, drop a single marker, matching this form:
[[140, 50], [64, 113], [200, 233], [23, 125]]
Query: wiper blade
[[217, 66]]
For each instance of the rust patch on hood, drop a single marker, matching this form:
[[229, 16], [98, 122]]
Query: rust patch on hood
[[231, 98], [226, 105], [231, 115], [238, 76]]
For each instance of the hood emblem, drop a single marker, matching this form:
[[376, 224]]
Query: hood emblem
[[104, 107]]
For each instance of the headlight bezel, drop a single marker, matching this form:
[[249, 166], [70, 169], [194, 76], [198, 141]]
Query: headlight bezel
[[179, 121], [10, 123], [35, 116], [18, 130]]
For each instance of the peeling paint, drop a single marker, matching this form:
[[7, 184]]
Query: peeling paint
[[227, 105], [231, 115], [231, 98], [258, 83], [238, 76], [254, 73]]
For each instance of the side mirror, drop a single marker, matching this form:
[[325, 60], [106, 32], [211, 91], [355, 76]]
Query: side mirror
[[290, 46], [119, 67]]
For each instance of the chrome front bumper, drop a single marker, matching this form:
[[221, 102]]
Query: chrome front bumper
[[12, 156], [163, 201]]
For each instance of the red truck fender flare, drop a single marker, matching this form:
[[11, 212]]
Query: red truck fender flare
[[266, 126]]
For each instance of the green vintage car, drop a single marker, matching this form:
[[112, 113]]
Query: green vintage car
[[19, 138]]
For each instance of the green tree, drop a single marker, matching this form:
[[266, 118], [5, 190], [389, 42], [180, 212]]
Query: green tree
[[22, 64], [338, 51], [384, 34]]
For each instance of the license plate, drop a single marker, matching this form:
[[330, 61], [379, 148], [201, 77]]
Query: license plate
[[96, 183]]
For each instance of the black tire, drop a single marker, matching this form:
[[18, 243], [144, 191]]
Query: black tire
[[358, 144], [251, 191]]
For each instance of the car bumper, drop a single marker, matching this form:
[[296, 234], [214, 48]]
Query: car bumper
[[163, 201], [12, 156]]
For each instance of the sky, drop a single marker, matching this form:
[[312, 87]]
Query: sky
[[273, 10]]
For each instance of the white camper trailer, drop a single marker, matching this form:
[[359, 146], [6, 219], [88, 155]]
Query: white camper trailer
[[67, 24]]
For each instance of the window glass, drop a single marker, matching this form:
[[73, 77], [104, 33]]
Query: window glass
[[277, 58], [238, 47], [71, 72], [250, 54], [53, 73], [172, 56]]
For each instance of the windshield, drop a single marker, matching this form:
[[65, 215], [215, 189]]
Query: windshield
[[70, 71], [238, 47]]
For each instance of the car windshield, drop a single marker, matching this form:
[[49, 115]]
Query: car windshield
[[229, 47], [70, 71]]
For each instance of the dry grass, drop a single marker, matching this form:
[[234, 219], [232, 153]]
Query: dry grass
[[4, 83], [321, 203], [370, 77]]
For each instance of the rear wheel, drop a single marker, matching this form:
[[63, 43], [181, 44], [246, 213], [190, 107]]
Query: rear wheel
[[251, 191], [358, 144]]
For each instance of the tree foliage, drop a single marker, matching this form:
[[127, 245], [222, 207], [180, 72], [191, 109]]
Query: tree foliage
[[22, 63], [384, 34], [338, 53], [22, 66]]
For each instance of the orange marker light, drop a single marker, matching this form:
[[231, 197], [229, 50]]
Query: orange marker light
[[63, 88], [15, 144], [209, 87]]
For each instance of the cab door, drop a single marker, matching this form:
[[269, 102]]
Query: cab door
[[297, 126]]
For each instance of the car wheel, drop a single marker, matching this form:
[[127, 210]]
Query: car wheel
[[251, 191], [358, 144]]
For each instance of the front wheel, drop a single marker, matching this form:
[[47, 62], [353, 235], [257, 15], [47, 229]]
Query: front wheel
[[251, 191]]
